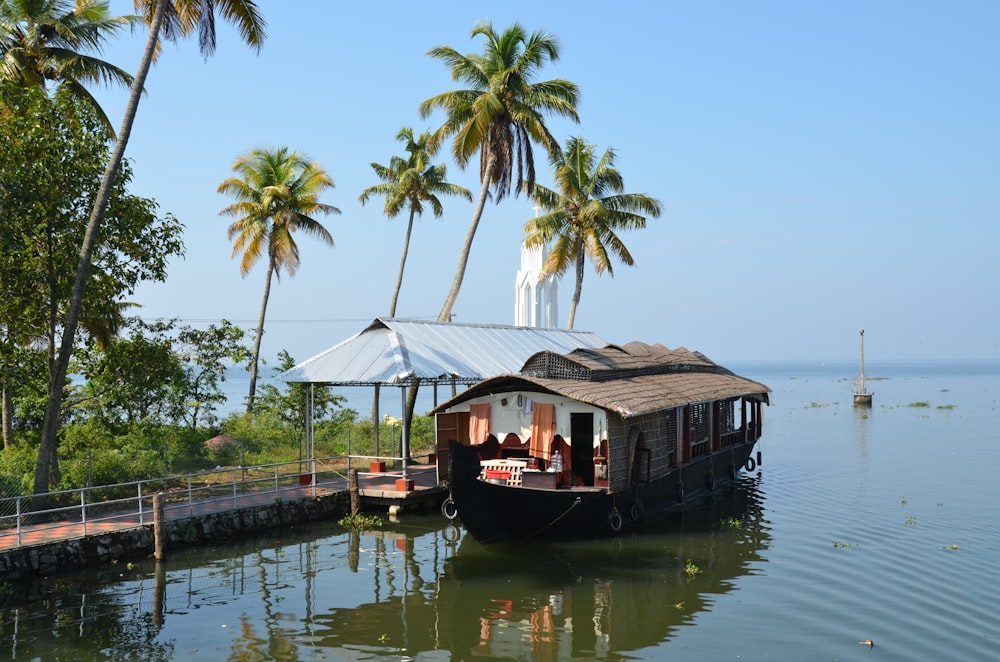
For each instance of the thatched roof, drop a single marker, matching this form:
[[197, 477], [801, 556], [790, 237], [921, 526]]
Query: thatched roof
[[630, 380]]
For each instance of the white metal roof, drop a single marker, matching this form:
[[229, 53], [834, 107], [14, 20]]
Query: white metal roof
[[393, 351]]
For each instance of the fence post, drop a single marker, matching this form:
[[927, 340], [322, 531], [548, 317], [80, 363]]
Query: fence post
[[352, 483], [159, 536], [139, 488], [19, 497], [234, 488], [190, 499], [83, 510]]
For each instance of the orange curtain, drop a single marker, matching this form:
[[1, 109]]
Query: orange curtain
[[543, 428], [479, 423]]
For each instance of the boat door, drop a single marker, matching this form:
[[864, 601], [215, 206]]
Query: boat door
[[581, 436]]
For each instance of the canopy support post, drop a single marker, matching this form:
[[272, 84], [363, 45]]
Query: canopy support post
[[404, 444]]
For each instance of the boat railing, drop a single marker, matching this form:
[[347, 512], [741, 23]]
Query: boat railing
[[700, 448], [733, 438]]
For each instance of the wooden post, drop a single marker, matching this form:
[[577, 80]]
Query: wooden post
[[352, 483], [159, 593], [159, 535]]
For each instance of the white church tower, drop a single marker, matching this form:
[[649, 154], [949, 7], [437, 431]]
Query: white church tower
[[535, 303]]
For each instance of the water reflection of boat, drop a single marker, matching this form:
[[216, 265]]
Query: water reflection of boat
[[614, 436], [604, 598]]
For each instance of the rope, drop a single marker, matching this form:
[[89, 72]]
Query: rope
[[576, 502]]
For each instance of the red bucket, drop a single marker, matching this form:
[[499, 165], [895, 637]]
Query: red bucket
[[496, 474]]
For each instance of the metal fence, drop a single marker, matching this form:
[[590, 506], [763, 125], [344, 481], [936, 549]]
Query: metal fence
[[84, 511]]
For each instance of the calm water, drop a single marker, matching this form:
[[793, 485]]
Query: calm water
[[859, 525]]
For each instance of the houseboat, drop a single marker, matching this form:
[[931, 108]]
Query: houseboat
[[594, 441]]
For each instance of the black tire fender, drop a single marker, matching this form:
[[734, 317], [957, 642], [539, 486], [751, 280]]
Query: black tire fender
[[615, 520]]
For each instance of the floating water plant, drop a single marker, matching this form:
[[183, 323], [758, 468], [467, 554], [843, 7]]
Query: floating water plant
[[912, 521], [838, 544], [690, 569], [951, 548], [360, 521], [920, 404], [733, 522]]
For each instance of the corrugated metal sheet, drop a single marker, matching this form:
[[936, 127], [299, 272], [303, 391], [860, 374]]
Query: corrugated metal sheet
[[393, 351]]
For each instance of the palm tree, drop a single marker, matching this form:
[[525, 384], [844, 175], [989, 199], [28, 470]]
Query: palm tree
[[171, 19], [586, 214], [409, 183], [499, 116], [277, 193], [44, 41]]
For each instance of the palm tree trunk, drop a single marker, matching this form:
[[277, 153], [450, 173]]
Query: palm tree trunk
[[411, 404], [255, 357], [57, 375], [463, 259], [402, 263], [577, 290], [392, 313]]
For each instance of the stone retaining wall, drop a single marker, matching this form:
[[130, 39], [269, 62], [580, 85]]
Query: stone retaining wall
[[104, 548]]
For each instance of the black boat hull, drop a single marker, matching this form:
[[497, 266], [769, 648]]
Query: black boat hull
[[494, 512]]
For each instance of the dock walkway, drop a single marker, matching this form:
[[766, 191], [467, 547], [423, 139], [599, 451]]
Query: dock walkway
[[376, 490]]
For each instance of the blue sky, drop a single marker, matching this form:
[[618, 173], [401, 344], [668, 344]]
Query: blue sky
[[824, 167]]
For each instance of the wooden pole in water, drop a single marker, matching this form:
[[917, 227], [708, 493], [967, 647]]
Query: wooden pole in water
[[863, 391], [352, 482], [159, 535], [159, 593]]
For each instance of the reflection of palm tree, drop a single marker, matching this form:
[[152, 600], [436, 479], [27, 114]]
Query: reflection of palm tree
[[498, 116], [51, 40], [586, 213], [277, 193], [171, 19]]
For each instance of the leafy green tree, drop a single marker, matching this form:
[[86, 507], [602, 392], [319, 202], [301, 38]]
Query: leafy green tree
[[44, 41], [277, 193], [53, 156], [586, 214], [290, 406], [169, 19], [157, 374], [24, 380], [137, 379], [499, 115], [205, 355], [408, 183]]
